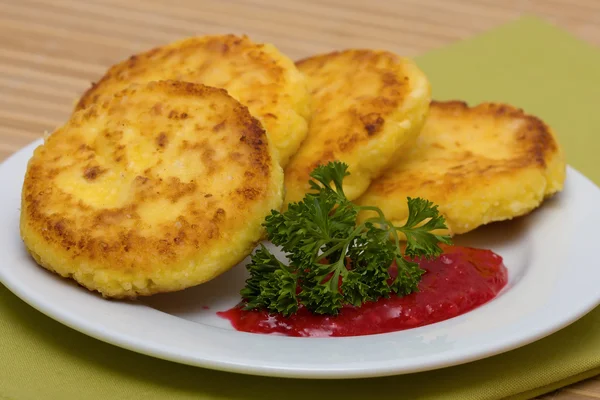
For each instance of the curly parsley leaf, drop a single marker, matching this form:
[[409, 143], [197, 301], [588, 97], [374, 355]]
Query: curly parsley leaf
[[423, 218], [326, 174], [272, 285]]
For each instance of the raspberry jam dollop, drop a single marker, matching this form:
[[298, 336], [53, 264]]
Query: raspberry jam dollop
[[458, 281]]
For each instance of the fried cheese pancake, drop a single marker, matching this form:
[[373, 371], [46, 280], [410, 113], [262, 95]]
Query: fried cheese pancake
[[479, 164], [366, 106], [162, 187], [257, 75]]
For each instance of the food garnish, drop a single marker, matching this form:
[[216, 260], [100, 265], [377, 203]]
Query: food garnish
[[332, 261]]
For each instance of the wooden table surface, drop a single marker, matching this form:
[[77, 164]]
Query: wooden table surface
[[50, 50]]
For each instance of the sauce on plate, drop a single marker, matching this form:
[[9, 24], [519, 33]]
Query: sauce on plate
[[458, 281]]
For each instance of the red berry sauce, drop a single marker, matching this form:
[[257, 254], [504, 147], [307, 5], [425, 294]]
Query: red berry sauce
[[458, 281]]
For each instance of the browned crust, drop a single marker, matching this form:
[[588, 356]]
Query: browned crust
[[366, 118], [112, 236], [219, 45], [533, 146], [535, 136]]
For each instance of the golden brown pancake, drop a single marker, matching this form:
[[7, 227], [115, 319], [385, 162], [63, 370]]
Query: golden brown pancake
[[257, 75], [366, 106], [480, 164], [161, 187]]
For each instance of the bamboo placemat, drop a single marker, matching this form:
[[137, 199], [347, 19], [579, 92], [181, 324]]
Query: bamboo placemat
[[50, 50]]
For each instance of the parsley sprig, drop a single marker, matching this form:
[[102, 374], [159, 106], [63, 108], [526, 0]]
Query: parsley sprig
[[332, 261]]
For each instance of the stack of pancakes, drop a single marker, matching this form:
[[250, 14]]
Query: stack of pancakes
[[164, 173]]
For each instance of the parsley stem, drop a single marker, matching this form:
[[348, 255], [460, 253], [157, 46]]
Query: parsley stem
[[339, 268], [332, 250], [381, 220], [343, 242]]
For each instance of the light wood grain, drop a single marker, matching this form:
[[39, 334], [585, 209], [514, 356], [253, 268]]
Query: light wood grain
[[50, 50]]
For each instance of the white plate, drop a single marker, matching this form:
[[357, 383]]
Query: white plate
[[553, 281]]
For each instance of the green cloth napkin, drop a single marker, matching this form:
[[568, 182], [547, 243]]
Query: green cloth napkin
[[527, 63]]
